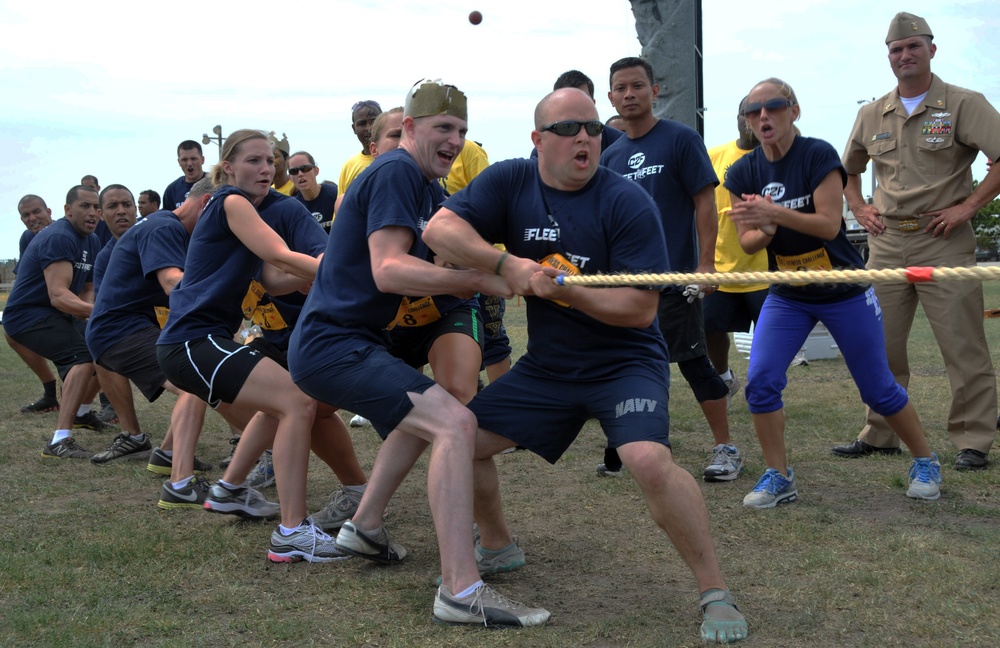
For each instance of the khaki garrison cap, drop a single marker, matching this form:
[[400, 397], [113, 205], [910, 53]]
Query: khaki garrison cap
[[905, 25]]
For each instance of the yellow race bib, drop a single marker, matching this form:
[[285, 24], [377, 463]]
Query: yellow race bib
[[559, 262], [265, 315], [815, 260], [162, 313], [419, 312]]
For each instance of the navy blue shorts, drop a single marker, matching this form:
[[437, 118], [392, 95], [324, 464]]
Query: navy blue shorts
[[729, 312], [545, 414], [369, 382], [213, 368], [135, 358], [59, 338]]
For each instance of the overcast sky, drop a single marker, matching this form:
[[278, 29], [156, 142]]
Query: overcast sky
[[110, 87]]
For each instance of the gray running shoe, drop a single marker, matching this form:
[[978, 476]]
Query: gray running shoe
[[341, 508], [734, 388], [233, 441], [65, 449], [307, 543], [245, 502], [604, 471], [124, 447], [161, 464], [108, 414], [262, 474], [359, 421], [486, 607], [191, 496], [508, 559], [724, 464], [373, 545]]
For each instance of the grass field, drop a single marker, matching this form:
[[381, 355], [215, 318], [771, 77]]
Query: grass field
[[88, 559]]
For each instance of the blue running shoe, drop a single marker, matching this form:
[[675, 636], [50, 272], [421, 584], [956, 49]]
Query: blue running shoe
[[925, 478], [772, 489]]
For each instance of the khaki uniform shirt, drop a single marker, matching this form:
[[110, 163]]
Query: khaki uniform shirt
[[923, 161]]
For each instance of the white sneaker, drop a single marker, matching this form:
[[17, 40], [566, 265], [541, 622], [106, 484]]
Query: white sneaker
[[374, 545], [725, 464], [359, 421], [485, 607], [925, 479], [306, 543]]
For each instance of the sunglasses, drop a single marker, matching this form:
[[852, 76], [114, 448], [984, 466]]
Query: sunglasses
[[305, 168], [365, 103], [572, 128], [771, 105]]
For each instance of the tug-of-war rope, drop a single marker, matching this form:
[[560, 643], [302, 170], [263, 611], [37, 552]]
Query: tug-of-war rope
[[894, 275]]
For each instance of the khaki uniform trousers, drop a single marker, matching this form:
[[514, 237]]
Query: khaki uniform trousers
[[954, 310]]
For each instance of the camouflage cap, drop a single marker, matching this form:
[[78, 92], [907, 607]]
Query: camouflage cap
[[280, 145], [428, 97], [905, 25]]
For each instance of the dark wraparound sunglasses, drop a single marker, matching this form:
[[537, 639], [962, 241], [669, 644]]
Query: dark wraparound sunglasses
[[305, 168], [572, 128], [771, 105]]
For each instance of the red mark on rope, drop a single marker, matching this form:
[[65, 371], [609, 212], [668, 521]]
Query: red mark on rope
[[919, 275]]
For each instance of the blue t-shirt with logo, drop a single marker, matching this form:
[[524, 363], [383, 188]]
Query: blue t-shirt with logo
[[345, 309], [177, 192], [671, 163], [791, 182], [28, 301], [321, 207], [610, 226]]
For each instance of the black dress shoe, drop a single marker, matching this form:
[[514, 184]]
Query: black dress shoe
[[859, 448], [970, 459]]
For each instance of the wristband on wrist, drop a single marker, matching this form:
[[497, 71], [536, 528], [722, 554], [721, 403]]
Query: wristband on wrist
[[503, 257]]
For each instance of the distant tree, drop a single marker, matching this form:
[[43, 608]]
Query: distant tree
[[986, 224]]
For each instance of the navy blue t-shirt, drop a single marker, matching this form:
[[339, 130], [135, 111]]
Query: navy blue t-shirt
[[671, 163], [609, 226], [217, 271], [321, 207], [131, 291], [28, 301], [101, 263], [791, 182], [345, 309], [22, 245], [176, 192], [302, 233]]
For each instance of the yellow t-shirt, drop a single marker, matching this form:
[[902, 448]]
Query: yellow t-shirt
[[351, 170], [469, 163], [729, 256], [286, 189]]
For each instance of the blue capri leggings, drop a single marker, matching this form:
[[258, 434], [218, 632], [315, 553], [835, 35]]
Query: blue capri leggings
[[856, 326]]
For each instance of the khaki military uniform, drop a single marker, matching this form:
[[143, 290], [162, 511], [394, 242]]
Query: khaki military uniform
[[923, 163]]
